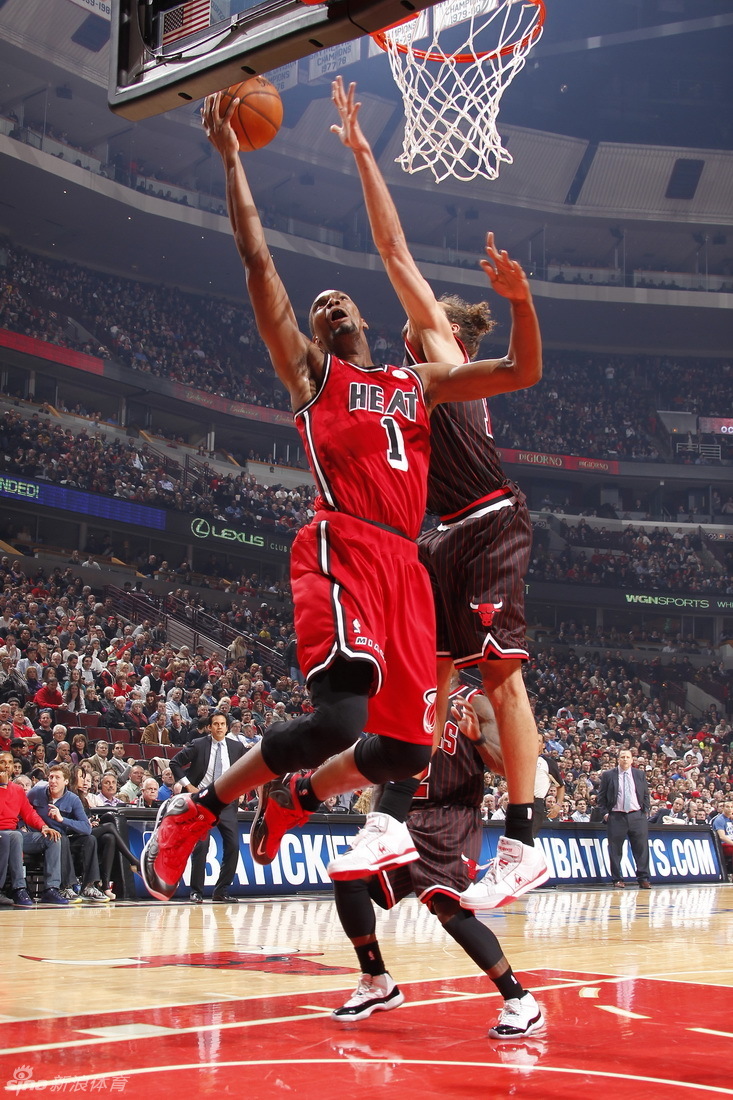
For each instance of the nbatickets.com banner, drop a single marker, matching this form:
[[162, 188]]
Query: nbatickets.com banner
[[579, 854], [576, 855]]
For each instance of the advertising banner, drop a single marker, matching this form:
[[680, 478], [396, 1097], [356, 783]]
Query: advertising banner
[[559, 462], [42, 349], [718, 425], [22, 489], [217, 403], [621, 597], [299, 867], [577, 856], [223, 536]]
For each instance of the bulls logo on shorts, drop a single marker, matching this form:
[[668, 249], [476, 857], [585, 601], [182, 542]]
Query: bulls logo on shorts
[[486, 611], [472, 867]]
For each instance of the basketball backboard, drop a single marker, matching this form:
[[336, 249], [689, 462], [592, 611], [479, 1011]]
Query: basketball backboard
[[165, 53]]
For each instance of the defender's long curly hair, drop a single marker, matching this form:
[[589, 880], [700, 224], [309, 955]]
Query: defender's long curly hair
[[473, 319]]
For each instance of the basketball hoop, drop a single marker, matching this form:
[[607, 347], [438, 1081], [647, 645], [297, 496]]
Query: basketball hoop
[[452, 92]]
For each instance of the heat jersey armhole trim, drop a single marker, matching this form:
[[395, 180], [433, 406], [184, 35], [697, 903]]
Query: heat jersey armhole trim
[[416, 375], [321, 388]]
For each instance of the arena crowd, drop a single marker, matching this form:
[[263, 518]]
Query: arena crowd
[[65, 652], [591, 405]]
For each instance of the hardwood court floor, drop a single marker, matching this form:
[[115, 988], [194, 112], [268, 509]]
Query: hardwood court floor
[[152, 1000]]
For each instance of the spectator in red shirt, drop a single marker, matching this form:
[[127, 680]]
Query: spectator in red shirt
[[22, 725], [14, 808], [6, 736], [49, 695]]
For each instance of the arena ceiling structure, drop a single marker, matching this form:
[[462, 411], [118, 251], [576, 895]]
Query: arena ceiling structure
[[611, 100]]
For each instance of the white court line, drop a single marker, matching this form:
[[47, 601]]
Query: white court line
[[129, 1031], [560, 984], [622, 1012], [460, 994], [266, 1022], [668, 976], [43, 1017], [43, 1014], [224, 996], [711, 1031], [119, 1072]]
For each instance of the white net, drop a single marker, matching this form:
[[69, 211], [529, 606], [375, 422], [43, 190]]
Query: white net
[[452, 89]]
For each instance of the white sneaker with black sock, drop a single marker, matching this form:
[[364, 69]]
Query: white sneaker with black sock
[[374, 993], [519, 1016]]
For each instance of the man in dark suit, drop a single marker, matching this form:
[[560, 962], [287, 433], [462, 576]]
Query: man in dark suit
[[198, 764], [624, 801]]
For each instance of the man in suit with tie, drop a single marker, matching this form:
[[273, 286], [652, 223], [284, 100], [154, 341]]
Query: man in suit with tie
[[624, 801], [197, 765]]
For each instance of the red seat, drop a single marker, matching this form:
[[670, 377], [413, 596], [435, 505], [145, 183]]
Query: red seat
[[128, 736], [87, 719], [67, 717], [151, 751], [135, 751]]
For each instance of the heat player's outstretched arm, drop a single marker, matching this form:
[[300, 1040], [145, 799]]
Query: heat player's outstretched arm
[[427, 325], [295, 358]]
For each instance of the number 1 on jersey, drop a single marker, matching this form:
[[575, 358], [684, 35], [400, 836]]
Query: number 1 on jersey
[[396, 451]]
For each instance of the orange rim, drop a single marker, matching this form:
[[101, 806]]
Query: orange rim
[[380, 37]]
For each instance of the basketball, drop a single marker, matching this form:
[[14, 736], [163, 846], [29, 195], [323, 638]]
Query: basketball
[[259, 113]]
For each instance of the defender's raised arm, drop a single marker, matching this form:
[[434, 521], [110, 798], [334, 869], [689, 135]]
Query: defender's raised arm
[[427, 324]]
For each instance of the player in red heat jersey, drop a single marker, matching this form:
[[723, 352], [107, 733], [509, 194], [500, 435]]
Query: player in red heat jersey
[[478, 555], [363, 607]]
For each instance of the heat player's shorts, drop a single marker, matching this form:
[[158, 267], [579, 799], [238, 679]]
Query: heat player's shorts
[[442, 835], [360, 592], [477, 567]]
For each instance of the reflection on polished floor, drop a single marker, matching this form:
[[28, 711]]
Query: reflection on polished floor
[[223, 1000]]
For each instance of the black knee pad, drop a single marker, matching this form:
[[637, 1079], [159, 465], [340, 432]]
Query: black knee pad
[[354, 907], [476, 939], [340, 698], [380, 759]]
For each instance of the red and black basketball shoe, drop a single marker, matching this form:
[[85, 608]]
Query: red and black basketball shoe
[[278, 811], [181, 823]]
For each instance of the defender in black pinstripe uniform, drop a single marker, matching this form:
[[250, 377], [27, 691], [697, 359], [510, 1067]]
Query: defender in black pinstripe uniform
[[445, 824], [444, 820], [478, 555]]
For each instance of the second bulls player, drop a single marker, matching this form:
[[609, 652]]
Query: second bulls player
[[445, 824], [478, 555], [363, 605]]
